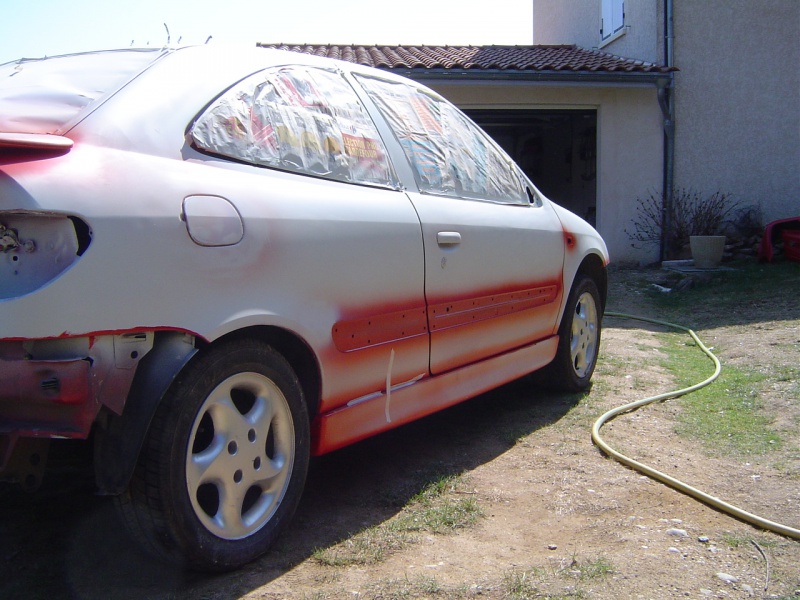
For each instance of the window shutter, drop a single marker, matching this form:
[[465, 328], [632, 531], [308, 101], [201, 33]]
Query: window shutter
[[612, 15]]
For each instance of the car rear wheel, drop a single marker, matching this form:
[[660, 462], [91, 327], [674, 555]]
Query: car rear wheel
[[579, 339], [225, 460]]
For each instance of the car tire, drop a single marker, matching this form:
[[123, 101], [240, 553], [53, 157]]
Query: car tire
[[579, 339], [225, 460]]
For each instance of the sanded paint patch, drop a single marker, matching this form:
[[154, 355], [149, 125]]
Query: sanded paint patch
[[361, 333], [464, 312], [357, 334]]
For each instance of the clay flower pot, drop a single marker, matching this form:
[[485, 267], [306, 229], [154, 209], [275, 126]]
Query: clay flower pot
[[707, 250]]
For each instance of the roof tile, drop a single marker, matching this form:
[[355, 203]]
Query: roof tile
[[518, 58]]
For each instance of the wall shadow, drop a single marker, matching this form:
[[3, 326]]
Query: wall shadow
[[746, 293]]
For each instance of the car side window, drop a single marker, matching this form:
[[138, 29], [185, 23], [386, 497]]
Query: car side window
[[449, 154], [296, 118]]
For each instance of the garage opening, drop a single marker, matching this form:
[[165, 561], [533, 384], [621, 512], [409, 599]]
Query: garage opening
[[557, 149]]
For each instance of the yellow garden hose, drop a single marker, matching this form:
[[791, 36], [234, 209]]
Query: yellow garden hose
[[671, 481]]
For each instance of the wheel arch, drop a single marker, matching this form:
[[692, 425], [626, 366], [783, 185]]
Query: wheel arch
[[594, 267], [118, 439], [562, 374], [295, 350]]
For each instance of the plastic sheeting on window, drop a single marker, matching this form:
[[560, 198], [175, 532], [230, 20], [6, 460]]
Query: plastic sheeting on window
[[449, 154], [300, 119]]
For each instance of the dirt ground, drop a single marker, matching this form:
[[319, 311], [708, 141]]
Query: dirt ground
[[559, 519]]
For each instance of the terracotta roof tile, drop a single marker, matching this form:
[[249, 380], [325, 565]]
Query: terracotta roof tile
[[517, 58]]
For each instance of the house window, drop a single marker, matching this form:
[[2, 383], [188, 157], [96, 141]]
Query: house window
[[556, 149], [612, 19]]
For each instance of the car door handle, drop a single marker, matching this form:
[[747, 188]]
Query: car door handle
[[448, 238]]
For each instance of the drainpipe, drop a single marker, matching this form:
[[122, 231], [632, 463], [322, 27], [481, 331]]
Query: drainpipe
[[667, 103]]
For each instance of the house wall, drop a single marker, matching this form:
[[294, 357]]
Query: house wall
[[567, 22], [578, 22], [736, 93], [629, 126], [643, 32], [736, 99]]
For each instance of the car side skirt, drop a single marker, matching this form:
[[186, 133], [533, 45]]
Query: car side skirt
[[409, 401]]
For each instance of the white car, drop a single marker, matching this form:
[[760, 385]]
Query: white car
[[217, 262]]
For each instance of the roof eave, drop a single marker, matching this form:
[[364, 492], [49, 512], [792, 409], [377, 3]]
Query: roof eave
[[636, 78]]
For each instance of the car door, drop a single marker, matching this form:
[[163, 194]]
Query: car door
[[341, 256], [492, 277], [493, 251]]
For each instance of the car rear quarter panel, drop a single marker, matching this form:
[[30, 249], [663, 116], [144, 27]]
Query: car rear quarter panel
[[314, 253]]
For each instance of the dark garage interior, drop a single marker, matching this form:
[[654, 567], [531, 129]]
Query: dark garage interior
[[555, 148]]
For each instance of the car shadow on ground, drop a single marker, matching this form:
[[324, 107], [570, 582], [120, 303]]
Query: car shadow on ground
[[64, 542]]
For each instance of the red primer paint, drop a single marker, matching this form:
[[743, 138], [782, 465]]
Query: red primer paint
[[553, 279], [381, 326], [474, 342], [379, 329], [472, 310], [347, 425], [94, 334]]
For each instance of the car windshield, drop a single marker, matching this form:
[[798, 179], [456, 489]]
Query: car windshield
[[43, 95]]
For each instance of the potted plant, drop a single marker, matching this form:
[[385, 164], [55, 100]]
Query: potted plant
[[696, 221], [706, 229]]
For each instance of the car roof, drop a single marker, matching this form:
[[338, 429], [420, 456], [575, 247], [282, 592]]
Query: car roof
[[53, 94]]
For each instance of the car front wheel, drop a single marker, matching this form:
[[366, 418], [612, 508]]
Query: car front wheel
[[225, 460], [579, 339]]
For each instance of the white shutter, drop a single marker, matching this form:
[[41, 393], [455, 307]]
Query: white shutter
[[612, 13]]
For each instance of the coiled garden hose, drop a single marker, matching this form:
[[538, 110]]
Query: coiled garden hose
[[664, 478]]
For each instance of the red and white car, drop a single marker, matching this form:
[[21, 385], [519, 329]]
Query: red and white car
[[218, 262]]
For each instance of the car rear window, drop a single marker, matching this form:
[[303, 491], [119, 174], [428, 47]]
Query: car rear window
[[43, 95], [301, 119]]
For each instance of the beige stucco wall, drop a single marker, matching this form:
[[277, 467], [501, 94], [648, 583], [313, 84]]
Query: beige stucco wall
[[578, 22], [738, 100], [643, 30], [629, 137], [567, 22], [737, 91]]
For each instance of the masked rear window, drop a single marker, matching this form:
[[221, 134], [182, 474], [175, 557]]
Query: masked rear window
[[301, 119]]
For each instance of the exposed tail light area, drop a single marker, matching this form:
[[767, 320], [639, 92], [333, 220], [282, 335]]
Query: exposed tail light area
[[35, 248]]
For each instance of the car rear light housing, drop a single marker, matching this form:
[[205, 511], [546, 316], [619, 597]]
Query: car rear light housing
[[36, 248]]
